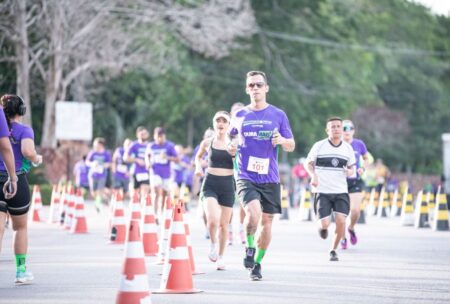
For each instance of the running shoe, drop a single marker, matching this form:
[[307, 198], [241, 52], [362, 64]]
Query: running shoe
[[323, 233], [344, 244], [24, 277], [353, 238], [249, 259], [333, 256], [255, 274], [220, 263], [242, 234], [212, 255]]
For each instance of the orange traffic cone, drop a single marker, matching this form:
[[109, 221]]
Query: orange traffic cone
[[188, 240], [136, 207], [134, 287], [177, 275], [79, 224], [36, 202], [54, 206], [118, 225], [165, 231], [149, 230], [63, 204], [70, 209]]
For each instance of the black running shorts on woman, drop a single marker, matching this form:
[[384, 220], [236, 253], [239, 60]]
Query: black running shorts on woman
[[222, 188], [20, 203]]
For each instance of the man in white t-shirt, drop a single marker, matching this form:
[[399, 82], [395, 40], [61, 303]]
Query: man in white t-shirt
[[329, 163]]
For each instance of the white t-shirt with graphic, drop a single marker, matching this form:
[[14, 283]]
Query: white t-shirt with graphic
[[329, 162]]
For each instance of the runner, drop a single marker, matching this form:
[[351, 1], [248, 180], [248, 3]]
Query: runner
[[98, 160], [218, 187], [354, 182], [135, 155], [120, 168], [261, 128], [21, 138], [159, 155], [80, 173], [329, 162]]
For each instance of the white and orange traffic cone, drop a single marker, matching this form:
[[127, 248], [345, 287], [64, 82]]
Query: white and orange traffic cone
[[188, 240], [54, 206], [149, 230], [36, 204], [64, 201], [134, 287], [118, 223], [70, 209], [136, 207], [79, 224], [165, 231], [177, 274]]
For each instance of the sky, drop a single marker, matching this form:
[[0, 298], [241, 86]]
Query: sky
[[440, 7]]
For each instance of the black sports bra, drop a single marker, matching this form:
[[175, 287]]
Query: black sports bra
[[219, 158]]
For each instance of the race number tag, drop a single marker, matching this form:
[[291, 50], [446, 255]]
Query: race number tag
[[140, 177], [160, 158], [122, 168], [258, 165], [98, 169]]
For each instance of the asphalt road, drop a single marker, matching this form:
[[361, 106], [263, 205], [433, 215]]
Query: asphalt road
[[390, 264]]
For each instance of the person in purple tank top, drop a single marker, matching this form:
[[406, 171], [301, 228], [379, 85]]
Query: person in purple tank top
[[159, 155], [135, 155], [98, 160], [261, 129], [354, 182], [21, 138], [120, 169]]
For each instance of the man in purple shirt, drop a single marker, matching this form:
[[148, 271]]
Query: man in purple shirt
[[80, 173], [135, 155], [354, 182], [262, 128], [160, 153], [98, 160], [120, 168]]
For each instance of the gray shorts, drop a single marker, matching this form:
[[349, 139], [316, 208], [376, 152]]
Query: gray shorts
[[97, 184]]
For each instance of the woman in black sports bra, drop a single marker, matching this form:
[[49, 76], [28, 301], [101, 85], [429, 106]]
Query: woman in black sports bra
[[218, 186]]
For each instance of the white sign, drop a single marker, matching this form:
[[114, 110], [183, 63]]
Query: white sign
[[74, 120]]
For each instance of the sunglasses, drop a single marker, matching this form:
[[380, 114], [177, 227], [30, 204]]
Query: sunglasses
[[348, 128], [259, 85]]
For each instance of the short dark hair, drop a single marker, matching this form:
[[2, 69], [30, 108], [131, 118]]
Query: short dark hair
[[254, 73], [99, 140], [140, 128], [334, 118]]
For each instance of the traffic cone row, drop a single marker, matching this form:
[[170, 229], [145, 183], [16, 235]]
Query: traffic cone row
[[149, 229], [79, 224], [305, 209], [54, 206], [165, 231], [284, 203], [118, 223]]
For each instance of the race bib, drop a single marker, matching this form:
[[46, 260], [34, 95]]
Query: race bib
[[160, 159], [140, 177], [258, 165], [122, 168], [98, 169]]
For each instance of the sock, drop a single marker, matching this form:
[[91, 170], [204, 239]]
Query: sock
[[250, 241], [259, 255], [98, 201], [241, 227], [20, 262]]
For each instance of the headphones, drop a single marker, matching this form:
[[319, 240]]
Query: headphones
[[15, 105]]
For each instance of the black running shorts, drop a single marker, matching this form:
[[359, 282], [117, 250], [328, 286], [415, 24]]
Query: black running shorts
[[269, 195], [325, 203], [20, 203], [222, 188], [355, 185]]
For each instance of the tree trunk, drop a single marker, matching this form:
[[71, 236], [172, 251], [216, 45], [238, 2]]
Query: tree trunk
[[53, 83], [23, 60]]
